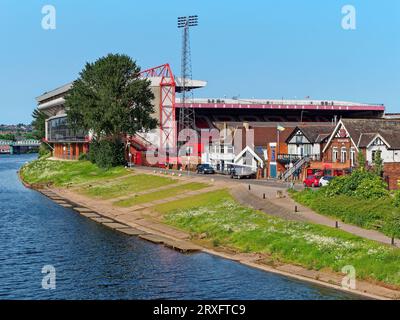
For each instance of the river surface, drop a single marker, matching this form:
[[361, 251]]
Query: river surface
[[94, 262]]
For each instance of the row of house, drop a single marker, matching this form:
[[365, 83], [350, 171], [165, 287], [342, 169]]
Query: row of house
[[289, 151]]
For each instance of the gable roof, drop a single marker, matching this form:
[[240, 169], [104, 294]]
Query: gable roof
[[252, 152], [362, 131], [323, 136], [314, 134], [378, 136]]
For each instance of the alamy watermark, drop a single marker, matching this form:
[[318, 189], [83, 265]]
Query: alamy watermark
[[349, 21], [49, 19], [49, 280], [349, 281]]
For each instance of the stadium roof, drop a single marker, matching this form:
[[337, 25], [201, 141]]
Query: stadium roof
[[280, 104], [155, 81]]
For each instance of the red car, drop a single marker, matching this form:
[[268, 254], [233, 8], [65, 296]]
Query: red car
[[312, 181]]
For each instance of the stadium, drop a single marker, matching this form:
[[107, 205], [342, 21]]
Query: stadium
[[210, 113]]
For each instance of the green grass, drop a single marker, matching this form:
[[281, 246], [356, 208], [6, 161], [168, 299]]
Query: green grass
[[364, 213], [126, 186], [67, 172], [228, 224], [162, 194]]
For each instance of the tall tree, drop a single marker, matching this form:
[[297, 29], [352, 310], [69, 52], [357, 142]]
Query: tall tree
[[392, 225], [39, 124], [361, 161], [378, 163], [110, 99]]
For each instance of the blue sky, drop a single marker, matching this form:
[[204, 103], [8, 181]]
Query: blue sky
[[261, 49]]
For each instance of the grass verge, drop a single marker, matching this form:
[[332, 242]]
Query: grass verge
[[66, 172], [369, 214], [228, 224], [162, 194], [126, 186]]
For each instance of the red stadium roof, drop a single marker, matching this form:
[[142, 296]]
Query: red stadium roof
[[220, 105]]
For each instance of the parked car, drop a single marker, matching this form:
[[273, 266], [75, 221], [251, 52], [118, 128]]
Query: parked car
[[312, 181], [324, 181], [205, 168]]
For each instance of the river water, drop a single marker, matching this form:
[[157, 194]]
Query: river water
[[94, 262]]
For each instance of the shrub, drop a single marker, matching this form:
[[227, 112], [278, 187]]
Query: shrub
[[372, 188], [83, 157], [44, 150], [396, 199], [106, 153], [361, 184], [392, 224]]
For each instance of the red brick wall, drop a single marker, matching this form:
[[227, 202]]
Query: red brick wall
[[338, 143], [392, 172]]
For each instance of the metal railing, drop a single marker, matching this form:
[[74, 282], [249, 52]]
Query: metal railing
[[297, 166]]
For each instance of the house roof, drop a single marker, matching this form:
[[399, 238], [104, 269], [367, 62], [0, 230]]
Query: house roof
[[314, 134], [322, 137], [362, 131]]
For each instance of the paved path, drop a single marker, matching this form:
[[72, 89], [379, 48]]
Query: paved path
[[287, 206], [283, 207], [248, 198]]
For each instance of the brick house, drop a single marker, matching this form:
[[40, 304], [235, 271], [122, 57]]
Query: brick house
[[267, 144], [369, 136]]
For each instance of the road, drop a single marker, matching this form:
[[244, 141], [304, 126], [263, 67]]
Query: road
[[220, 177]]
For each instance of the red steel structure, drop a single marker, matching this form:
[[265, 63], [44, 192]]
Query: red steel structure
[[167, 104]]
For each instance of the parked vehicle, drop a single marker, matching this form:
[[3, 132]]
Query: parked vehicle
[[241, 171], [324, 181], [312, 181], [205, 168]]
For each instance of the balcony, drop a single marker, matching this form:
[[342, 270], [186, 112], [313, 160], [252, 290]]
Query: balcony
[[221, 152], [288, 158]]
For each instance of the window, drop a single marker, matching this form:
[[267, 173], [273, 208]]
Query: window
[[334, 154], [343, 155], [307, 149], [352, 157], [375, 154], [58, 130], [273, 155]]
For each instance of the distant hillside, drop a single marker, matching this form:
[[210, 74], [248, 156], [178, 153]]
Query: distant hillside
[[15, 131]]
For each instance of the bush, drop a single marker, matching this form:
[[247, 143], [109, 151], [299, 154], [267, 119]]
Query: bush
[[396, 199], [83, 157], [106, 153], [361, 184], [44, 150], [392, 224], [372, 188], [366, 213]]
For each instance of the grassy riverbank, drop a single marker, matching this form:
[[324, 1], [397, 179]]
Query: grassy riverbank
[[366, 213], [217, 220], [161, 194], [226, 223], [61, 173], [126, 186]]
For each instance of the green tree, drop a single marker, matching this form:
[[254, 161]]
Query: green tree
[[39, 124], [392, 225], [361, 161], [7, 136], [378, 163], [110, 99]]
